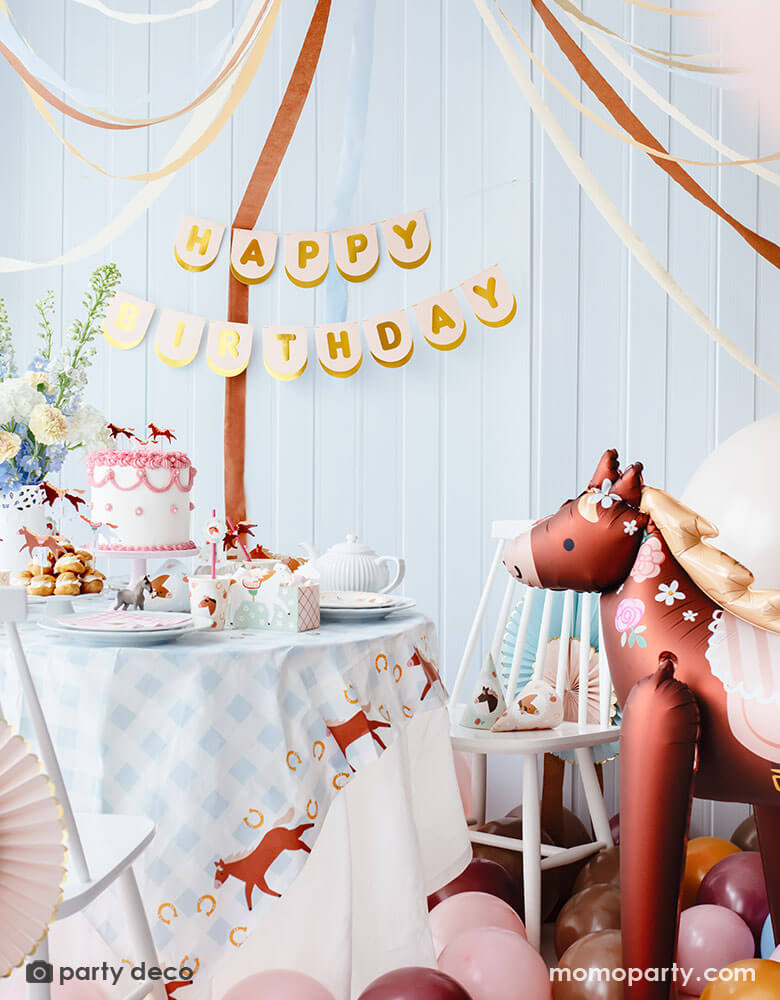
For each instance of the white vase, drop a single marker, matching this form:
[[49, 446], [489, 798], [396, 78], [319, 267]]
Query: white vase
[[22, 507]]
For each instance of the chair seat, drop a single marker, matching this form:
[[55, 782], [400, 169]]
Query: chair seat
[[111, 844], [567, 736]]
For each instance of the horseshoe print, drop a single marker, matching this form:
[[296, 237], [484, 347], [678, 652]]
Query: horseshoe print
[[210, 900], [312, 808], [353, 701], [398, 673], [340, 779], [165, 908], [250, 824], [408, 712], [384, 713], [231, 936], [190, 963], [296, 757], [318, 755], [379, 669]]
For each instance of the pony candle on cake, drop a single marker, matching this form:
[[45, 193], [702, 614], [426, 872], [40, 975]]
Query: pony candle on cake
[[694, 652], [275, 598]]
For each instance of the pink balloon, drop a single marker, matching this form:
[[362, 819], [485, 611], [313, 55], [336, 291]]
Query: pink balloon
[[463, 774], [495, 964], [775, 956], [281, 984], [468, 910], [72, 990], [711, 937]]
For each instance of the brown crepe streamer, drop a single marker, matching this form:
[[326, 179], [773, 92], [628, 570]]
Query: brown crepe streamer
[[625, 117], [256, 192], [130, 123]]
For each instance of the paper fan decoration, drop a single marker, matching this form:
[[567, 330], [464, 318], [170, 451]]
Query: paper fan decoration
[[571, 684], [32, 851]]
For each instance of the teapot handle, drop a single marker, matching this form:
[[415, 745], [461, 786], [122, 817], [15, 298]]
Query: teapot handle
[[400, 569]]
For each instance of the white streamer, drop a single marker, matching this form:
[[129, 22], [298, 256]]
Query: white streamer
[[603, 203], [120, 15]]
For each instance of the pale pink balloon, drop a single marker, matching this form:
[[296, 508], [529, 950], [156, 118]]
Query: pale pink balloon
[[748, 33], [71, 990], [281, 984], [711, 937], [468, 910], [495, 964]]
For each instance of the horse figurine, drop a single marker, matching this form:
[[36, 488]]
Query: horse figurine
[[135, 595], [694, 654]]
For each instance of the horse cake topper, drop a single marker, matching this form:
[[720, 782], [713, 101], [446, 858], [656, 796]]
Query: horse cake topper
[[694, 654]]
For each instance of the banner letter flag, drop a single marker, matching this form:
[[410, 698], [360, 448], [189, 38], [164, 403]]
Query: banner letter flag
[[197, 243], [252, 255], [407, 238], [306, 258], [229, 347], [490, 297], [127, 320], [356, 252], [178, 336], [285, 351], [339, 349], [390, 338], [441, 321]]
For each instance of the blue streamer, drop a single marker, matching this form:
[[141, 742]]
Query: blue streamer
[[352, 145]]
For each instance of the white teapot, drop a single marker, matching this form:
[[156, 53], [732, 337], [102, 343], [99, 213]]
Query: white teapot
[[351, 566]]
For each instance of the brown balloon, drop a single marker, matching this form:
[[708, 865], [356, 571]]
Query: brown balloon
[[602, 869], [601, 950], [512, 861], [746, 835], [683, 732], [572, 833], [593, 909]]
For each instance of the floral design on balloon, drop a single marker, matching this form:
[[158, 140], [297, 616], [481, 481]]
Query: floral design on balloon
[[628, 615], [648, 560], [668, 593], [603, 495]]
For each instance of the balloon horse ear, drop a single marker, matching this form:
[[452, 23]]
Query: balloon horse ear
[[608, 468], [629, 486]]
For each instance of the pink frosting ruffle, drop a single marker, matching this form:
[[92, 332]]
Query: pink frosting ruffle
[[179, 547], [146, 459]]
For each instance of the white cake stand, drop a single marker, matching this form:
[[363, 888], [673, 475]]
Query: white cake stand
[[139, 558]]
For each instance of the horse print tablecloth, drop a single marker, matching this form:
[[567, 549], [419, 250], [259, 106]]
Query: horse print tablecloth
[[235, 744]]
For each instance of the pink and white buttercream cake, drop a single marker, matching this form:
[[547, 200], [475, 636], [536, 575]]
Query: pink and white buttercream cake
[[146, 494]]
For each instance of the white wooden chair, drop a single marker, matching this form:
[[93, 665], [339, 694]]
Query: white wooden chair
[[101, 848], [531, 746]]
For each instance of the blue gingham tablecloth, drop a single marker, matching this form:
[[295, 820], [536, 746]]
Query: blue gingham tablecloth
[[221, 738]]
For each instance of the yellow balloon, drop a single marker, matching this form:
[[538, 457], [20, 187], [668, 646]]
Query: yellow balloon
[[753, 979]]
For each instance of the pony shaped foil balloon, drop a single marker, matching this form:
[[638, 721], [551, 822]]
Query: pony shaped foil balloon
[[694, 653]]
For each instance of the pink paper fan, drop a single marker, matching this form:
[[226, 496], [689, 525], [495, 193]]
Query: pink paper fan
[[32, 851], [571, 687]]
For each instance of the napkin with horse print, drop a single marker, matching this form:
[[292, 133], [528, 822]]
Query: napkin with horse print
[[487, 702]]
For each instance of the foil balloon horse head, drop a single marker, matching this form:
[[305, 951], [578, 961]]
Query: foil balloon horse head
[[694, 653]]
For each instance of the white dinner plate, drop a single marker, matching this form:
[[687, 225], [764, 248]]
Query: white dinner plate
[[121, 622], [370, 614], [97, 638], [355, 599]]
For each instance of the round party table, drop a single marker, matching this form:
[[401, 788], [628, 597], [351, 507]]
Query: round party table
[[222, 738]]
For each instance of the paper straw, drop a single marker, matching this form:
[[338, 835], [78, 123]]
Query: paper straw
[[214, 552]]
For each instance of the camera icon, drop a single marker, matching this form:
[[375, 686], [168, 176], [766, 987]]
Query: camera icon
[[40, 972]]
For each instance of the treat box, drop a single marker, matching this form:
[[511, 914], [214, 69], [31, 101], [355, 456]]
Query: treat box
[[274, 600]]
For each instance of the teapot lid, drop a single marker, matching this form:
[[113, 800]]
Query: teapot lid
[[351, 547]]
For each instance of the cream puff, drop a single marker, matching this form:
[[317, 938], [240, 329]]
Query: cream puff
[[85, 556], [91, 584], [41, 563], [41, 586], [21, 579], [69, 563], [69, 587]]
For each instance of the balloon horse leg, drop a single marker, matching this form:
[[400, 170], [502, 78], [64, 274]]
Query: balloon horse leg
[[658, 743], [768, 827]]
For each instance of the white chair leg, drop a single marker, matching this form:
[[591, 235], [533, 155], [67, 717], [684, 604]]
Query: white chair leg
[[40, 990], [593, 796], [532, 852], [479, 787], [140, 932]]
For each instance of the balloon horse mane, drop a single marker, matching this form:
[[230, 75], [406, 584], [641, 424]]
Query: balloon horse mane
[[694, 655]]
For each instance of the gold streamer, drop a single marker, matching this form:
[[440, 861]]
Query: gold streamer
[[239, 89], [675, 60], [619, 133], [602, 202]]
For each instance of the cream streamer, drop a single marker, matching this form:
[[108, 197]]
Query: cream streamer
[[671, 10], [603, 203], [120, 15], [623, 66], [210, 133], [677, 60], [146, 197], [617, 132]]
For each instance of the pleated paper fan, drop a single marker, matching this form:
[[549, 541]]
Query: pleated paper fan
[[571, 684], [32, 851]]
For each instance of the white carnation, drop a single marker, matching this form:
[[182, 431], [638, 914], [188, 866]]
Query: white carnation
[[17, 400], [87, 426], [43, 378]]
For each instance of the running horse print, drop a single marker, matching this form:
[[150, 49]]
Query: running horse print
[[694, 653]]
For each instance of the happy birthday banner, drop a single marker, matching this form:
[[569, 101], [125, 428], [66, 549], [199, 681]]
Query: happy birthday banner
[[306, 255], [339, 347]]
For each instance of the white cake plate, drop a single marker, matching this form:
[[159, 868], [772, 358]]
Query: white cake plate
[[140, 556]]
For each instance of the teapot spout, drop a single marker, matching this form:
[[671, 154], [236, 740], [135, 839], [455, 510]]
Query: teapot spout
[[308, 548]]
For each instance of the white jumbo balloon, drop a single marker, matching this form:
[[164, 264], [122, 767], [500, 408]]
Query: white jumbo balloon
[[738, 488]]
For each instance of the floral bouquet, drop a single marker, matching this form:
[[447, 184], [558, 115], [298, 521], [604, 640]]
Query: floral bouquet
[[42, 416]]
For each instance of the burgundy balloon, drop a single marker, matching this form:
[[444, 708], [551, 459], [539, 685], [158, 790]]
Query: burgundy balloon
[[414, 984], [481, 875], [737, 882], [614, 829]]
